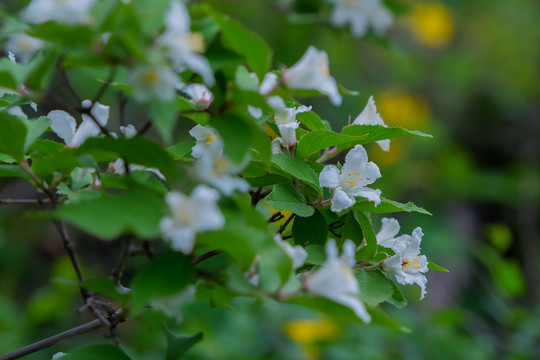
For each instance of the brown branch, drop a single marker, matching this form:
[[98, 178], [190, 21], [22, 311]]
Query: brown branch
[[23, 201], [116, 273], [45, 343], [206, 256], [105, 85], [284, 226]]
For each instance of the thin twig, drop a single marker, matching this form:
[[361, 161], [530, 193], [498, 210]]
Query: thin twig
[[23, 201], [45, 343], [206, 256], [122, 101], [116, 273], [276, 217], [284, 226], [105, 85], [66, 81], [145, 128]]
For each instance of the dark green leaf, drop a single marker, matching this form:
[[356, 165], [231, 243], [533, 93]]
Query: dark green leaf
[[373, 133], [178, 345], [182, 149], [93, 352], [310, 230], [7, 81], [286, 197], [236, 134], [397, 299], [36, 128], [12, 135], [351, 229], [311, 120], [368, 251], [63, 162], [164, 276], [163, 115], [12, 171]]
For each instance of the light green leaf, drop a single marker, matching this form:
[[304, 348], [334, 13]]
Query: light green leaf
[[244, 81], [387, 206], [316, 254], [137, 211], [321, 139], [310, 120], [36, 128], [286, 197], [182, 149], [374, 286], [178, 345], [93, 352], [397, 299], [378, 132], [297, 169], [12, 135], [163, 115], [237, 136], [12, 171], [433, 266]]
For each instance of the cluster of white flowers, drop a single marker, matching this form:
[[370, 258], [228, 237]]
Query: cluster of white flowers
[[352, 180], [183, 48], [407, 264], [70, 12], [361, 15], [335, 279]]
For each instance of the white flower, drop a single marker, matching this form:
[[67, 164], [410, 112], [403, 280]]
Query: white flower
[[65, 126], [387, 235], [190, 215], [335, 279], [129, 131], [297, 253], [23, 47], [311, 72], [170, 305], [71, 12], [220, 172], [287, 123], [208, 141], [369, 116], [352, 180], [407, 264], [361, 14], [184, 47], [268, 84], [58, 355], [152, 82], [199, 95], [277, 146]]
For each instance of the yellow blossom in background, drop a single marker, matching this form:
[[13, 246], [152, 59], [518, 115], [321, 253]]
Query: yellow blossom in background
[[399, 108], [307, 331], [432, 24]]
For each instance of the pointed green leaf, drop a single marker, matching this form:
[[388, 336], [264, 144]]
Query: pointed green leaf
[[433, 266], [317, 140], [36, 128], [378, 132], [12, 135], [374, 286], [386, 206], [368, 251], [178, 345], [297, 169], [286, 197]]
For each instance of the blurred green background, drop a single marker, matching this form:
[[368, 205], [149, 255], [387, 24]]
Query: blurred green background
[[466, 72]]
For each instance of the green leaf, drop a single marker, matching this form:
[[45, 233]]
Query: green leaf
[[12, 171], [182, 149], [327, 307], [286, 197], [242, 41], [321, 139], [163, 277], [374, 286], [433, 266], [12, 135], [368, 251], [397, 299], [244, 81], [373, 133], [316, 254], [386, 206], [137, 150], [36, 128], [378, 317], [178, 345], [46, 147], [137, 211], [311, 120], [310, 230], [63, 162], [352, 230], [7, 81], [262, 145], [63, 34], [93, 352], [107, 287], [163, 115], [237, 136], [297, 169]]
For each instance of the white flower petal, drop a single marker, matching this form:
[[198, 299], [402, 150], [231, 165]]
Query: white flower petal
[[389, 229], [268, 84], [341, 201], [329, 177], [63, 125]]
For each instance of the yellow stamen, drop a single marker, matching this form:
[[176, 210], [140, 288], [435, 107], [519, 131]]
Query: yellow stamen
[[195, 41], [405, 264], [151, 77], [209, 139], [322, 67]]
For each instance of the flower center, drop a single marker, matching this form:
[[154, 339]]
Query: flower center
[[415, 264], [195, 41], [353, 179], [209, 139], [322, 67], [183, 217], [151, 77]]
